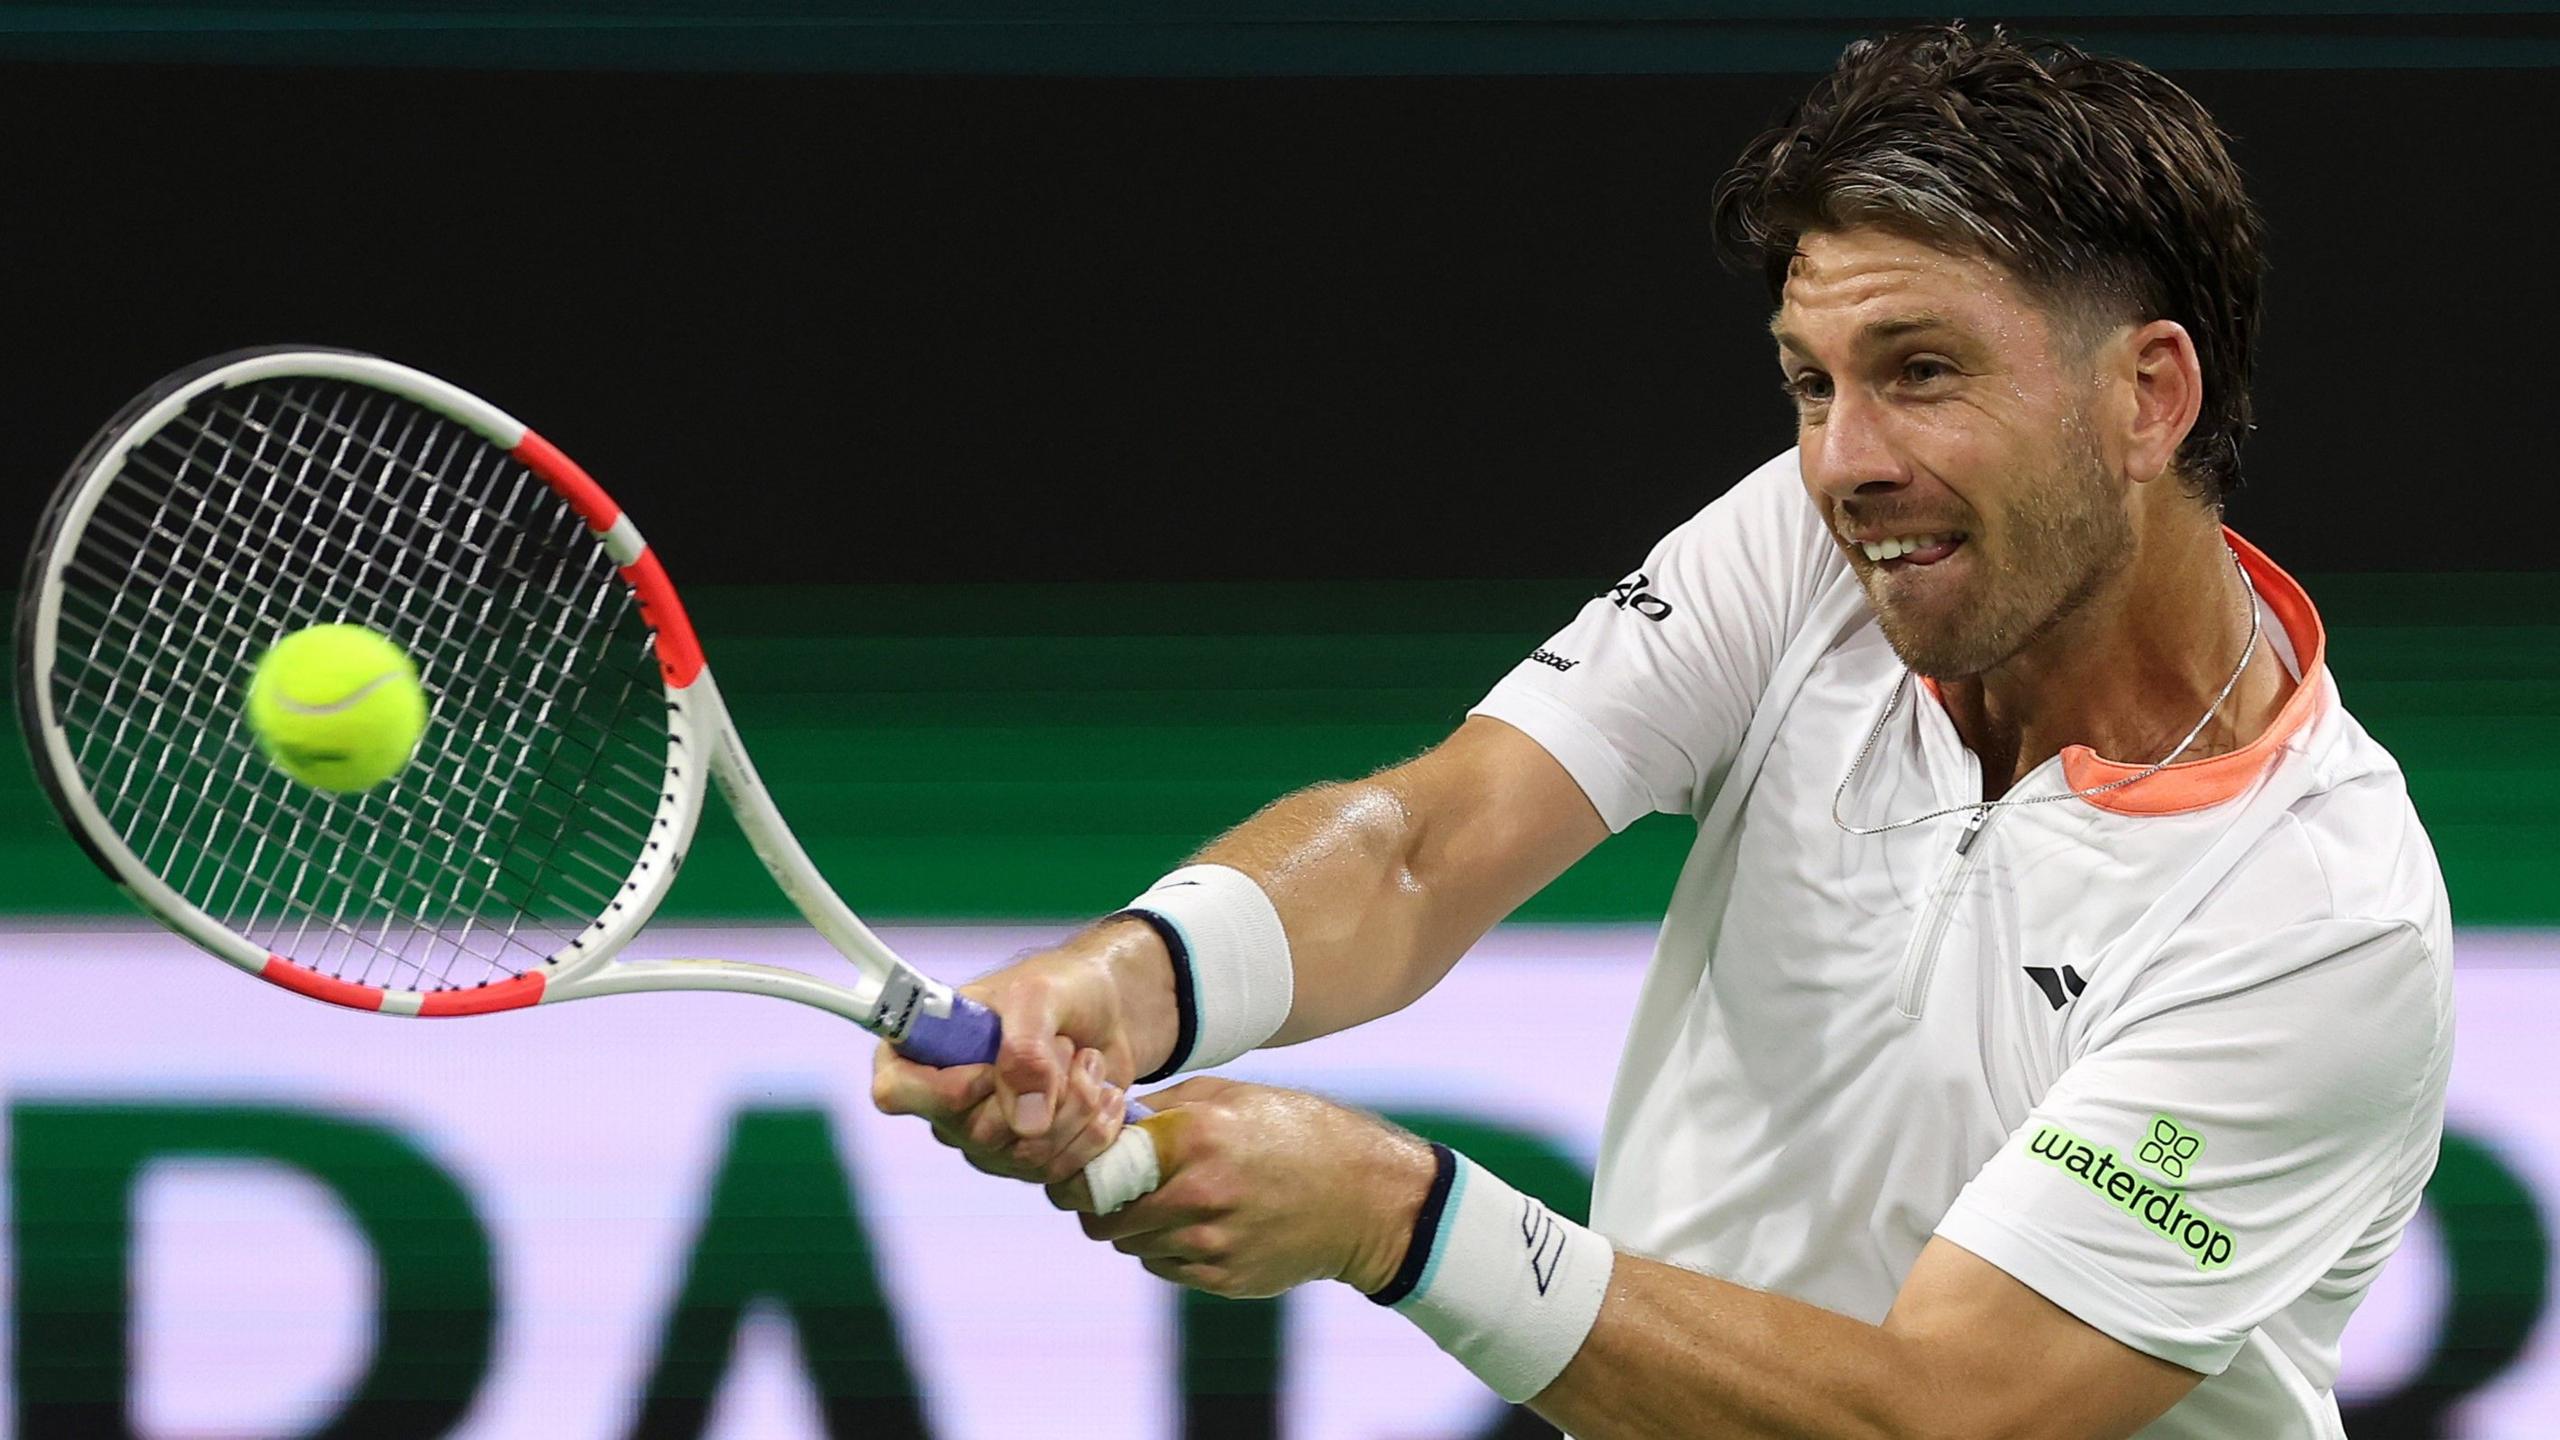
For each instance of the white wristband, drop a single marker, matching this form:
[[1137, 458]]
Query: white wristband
[[1507, 1286], [1231, 975]]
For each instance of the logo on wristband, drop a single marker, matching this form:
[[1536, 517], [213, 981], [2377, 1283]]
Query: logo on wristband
[[1543, 1236]]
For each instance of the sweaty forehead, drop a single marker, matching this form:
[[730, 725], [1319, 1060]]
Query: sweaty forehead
[[1861, 280], [1838, 271]]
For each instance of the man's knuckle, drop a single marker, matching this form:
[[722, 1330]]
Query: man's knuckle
[[1202, 1191]]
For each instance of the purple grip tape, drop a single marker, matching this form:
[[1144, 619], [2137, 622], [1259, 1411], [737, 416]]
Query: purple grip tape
[[968, 1035]]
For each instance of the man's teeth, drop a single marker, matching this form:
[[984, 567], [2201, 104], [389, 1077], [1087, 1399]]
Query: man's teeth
[[1880, 551]]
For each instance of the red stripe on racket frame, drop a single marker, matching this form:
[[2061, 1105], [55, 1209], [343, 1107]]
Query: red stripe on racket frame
[[512, 994], [679, 652], [572, 483], [306, 981], [505, 995]]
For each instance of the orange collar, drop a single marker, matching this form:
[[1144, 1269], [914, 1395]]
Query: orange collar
[[2196, 784]]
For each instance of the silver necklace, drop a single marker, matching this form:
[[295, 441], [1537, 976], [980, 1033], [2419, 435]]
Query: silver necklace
[[1982, 808]]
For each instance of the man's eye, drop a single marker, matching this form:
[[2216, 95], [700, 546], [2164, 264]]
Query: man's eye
[[1926, 372], [1807, 388]]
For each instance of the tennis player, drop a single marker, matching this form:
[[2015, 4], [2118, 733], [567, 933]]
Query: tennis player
[[2048, 1033]]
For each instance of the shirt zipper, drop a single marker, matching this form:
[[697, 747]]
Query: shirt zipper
[[1920, 964]]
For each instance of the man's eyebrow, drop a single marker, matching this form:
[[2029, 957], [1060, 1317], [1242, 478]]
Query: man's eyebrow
[[1895, 326], [1891, 327]]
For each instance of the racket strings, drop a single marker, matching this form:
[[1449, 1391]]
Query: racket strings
[[249, 636], [289, 504], [303, 854], [600, 882], [375, 582], [543, 657]]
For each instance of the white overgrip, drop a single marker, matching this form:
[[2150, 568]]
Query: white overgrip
[[1127, 1170]]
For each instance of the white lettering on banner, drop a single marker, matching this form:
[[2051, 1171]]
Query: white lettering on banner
[[587, 1138]]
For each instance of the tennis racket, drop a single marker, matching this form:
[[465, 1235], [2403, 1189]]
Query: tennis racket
[[573, 724]]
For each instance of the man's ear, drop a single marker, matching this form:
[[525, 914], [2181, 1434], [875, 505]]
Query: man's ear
[[2167, 378]]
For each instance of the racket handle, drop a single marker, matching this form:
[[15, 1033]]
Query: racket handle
[[969, 1035]]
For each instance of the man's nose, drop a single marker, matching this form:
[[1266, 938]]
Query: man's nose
[[1852, 451]]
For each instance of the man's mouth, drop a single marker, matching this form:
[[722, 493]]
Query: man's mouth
[[1896, 551]]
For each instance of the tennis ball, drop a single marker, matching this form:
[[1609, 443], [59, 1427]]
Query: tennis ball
[[337, 707]]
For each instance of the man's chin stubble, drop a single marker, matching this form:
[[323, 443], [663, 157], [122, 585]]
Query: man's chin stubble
[[1931, 651]]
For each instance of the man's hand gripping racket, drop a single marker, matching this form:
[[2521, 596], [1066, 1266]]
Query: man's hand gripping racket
[[573, 727]]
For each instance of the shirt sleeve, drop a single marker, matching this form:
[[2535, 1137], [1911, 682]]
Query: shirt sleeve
[[1645, 696], [2241, 1122]]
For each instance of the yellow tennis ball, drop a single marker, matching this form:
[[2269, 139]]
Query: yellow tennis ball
[[337, 707]]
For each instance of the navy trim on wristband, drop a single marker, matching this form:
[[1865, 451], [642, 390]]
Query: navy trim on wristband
[[1186, 1008], [1426, 1227]]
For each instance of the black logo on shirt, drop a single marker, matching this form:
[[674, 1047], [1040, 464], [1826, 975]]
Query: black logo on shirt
[[1632, 594], [1552, 660], [2060, 986]]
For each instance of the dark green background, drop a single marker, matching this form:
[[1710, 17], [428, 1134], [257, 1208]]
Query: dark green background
[[1012, 750], [1190, 37]]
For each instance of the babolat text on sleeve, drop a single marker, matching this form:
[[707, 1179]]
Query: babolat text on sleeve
[[1644, 697]]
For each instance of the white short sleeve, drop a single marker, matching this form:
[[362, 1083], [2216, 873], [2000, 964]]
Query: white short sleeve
[[2240, 1124], [1644, 698]]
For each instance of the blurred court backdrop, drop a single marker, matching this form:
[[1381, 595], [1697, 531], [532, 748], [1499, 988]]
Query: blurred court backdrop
[[1073, 425]]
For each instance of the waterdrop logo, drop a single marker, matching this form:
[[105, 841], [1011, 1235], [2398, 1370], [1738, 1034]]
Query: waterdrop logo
[[2163, 1209], [2169, 1148]]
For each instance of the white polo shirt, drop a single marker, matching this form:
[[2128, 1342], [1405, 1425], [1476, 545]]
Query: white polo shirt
[[2173, 1056]]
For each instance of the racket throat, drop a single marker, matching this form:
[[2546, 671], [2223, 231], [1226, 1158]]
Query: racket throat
[[903, 996]]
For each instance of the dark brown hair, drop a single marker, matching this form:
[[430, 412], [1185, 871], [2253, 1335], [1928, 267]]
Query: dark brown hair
[[2103, 187]]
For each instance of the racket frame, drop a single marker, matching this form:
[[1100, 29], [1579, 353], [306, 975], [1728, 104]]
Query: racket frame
[[889, 995]]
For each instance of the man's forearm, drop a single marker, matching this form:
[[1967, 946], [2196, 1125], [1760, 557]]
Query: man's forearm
[[1338, 862], [1335, 862], [1679, 1354], [1967, 1352], [1382, 884]]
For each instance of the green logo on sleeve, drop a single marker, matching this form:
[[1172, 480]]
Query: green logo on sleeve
[[2169, 1149]]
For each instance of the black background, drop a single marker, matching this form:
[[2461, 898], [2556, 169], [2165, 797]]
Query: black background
[[851, 327]]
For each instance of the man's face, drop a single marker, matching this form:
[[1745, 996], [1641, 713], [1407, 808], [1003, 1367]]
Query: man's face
[[1937, 401]]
